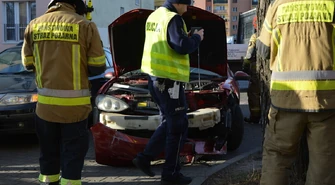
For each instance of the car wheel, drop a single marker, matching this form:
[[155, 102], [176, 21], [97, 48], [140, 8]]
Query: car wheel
[[237, 129]]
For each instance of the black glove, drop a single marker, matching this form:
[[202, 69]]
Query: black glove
[[246, 66]]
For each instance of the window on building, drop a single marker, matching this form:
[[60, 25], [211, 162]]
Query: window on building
[[220, 1], [17, 16], [121, 10], [234, 27], [219, 8], [254, 2], [209, 8], [234, 18], [234, 1], [234, 9], [208, 1], [192, 2]]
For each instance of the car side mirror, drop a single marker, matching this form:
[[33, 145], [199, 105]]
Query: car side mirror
[[242, 79], [240, 75], [109, 75]]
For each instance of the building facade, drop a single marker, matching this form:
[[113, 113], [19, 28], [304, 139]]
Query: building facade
[[226, 9], [158, 3], [106, 11], [16, 14]]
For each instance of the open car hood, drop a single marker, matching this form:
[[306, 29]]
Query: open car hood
[[127, 34]]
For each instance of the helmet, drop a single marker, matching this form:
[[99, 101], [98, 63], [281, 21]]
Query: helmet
[[79, 4], [53, 2], [254, 22]]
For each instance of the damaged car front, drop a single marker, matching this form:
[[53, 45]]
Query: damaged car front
[[126, 114]]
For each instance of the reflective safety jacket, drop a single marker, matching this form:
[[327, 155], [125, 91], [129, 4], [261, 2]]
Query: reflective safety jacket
[[159, 59], [251, 52], [298, 37], [249, 62], [64, 49]]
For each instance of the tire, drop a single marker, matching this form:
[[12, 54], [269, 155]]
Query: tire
[[235, 136]]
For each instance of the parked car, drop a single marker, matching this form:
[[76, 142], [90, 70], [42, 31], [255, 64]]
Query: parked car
[[126, 114], [18, 93]]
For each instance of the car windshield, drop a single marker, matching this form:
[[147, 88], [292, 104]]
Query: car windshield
[[194, 72], [10, 61]]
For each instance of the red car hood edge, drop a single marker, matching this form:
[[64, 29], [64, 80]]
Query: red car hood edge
[[127, 33]]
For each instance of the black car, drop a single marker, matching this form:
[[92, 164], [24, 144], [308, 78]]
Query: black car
[[18, 93]]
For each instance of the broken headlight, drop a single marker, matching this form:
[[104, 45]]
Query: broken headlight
[[110, 103]]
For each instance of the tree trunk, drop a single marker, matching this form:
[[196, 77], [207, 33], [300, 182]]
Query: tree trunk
[[299, 168], [263, 69]]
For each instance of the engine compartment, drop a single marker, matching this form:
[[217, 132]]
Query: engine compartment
[[133, 90]]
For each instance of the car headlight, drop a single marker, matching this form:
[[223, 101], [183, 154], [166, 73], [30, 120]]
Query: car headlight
[[18, 98], [110, 103]]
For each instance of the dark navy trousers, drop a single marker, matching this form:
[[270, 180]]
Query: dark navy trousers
[[171, 134], [63, 147]]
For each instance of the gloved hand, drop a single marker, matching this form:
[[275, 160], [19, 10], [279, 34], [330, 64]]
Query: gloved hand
[[246, 66]]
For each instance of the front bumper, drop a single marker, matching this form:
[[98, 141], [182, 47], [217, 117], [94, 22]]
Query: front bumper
[[201, 118], [115, 148], [17, 118]]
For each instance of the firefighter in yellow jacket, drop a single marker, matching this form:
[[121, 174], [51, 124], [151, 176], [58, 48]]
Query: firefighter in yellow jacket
[[298, 38], [249, 66], [63, 48]]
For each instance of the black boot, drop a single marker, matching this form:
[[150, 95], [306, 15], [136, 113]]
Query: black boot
[[143, 166], [180, 180]]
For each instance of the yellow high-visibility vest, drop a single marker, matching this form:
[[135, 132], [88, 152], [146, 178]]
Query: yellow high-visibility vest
[[159, 59]]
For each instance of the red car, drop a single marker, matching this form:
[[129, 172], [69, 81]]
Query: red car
[[127, 115]]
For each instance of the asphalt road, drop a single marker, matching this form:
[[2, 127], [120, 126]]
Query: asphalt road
[[19, 161]]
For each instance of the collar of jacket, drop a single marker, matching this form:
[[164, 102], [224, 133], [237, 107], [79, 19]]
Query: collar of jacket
[[170, 7], [61, 7]]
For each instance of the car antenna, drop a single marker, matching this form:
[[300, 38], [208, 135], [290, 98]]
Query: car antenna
[[199, 66]]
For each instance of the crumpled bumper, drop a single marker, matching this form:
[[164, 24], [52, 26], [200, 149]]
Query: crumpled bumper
[[201, 118], [115, 148]]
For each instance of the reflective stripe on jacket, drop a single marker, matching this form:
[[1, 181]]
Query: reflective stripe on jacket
[[298, 38], [64, 49], [159, 59]]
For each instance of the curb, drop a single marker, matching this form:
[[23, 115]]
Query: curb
[[216, 168]]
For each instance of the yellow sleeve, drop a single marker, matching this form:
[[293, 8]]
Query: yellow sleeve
[[95, 54], [264, 42], [251, 52], [27, 52]]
